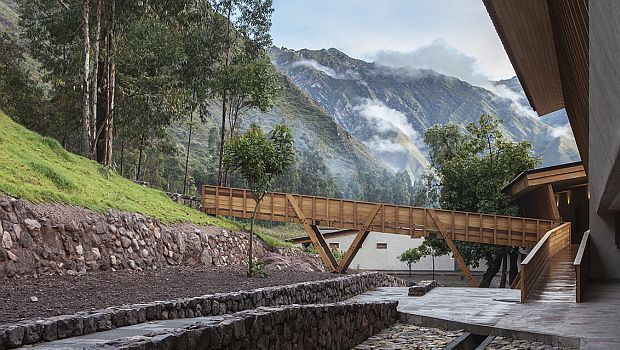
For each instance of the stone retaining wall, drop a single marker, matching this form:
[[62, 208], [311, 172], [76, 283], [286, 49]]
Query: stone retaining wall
[[331, 326], [64, 239], [316, 292]]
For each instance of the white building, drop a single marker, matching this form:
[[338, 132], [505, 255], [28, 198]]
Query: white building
[[380, 252]]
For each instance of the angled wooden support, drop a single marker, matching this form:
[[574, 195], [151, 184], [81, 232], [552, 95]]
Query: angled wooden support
[[446, 237], [315, 236], [517, 282], [323, 244], [360, 237]]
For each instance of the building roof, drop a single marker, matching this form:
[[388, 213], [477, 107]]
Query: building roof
[[547, 44], [563, 175]]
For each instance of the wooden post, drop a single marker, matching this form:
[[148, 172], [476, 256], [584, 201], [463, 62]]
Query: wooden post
[[316, 237], [360, 237], [455, 252]]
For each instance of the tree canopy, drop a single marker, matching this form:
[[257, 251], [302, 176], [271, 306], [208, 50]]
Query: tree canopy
[[472, 166]]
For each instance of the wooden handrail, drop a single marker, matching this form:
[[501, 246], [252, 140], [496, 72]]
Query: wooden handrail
[[554, 241], [399, 219], [582, 266]]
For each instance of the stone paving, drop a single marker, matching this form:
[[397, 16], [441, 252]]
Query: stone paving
[[404, 336], [592, 324], [410, 337], [500, 343], [101, 338]]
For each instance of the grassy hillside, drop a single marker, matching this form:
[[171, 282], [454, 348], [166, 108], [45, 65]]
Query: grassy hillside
[[38, 169]]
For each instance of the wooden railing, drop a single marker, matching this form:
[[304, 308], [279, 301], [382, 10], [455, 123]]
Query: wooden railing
[[398, 219], [582, 265], [553, 242]]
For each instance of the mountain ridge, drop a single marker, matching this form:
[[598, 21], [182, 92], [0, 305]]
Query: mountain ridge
[[388, 108]]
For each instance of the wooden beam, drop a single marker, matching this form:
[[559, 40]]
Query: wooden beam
[[218, 200], [455, 252], [325, 254], [359, 239], [323, 244]]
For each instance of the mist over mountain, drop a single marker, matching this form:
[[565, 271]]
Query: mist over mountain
[[388, 108]]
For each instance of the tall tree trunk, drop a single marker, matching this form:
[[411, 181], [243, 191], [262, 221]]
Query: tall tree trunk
[[250, 243], [86, 115], [224, 95], [122, 155], [514, 267], [109, 135], [492, 270], [140, 159], [94, 91], [189, 142], [220, 169], [502, 282]]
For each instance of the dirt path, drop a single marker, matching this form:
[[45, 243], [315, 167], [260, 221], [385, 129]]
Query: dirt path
[[58, 295]]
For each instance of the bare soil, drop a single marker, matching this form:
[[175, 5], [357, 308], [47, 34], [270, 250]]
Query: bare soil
[[59, 295]]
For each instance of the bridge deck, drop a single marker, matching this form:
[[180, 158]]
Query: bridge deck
[[557, 282], [388, 218]]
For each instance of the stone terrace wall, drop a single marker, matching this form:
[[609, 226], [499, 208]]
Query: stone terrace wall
[[317, 292], [63, 239], [331, 326]]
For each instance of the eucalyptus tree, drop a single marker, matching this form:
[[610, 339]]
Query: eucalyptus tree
[[150, 90], [243, 78]]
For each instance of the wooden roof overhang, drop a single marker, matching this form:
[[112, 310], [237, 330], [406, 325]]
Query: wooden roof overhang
[[547, 44], [559, 177]]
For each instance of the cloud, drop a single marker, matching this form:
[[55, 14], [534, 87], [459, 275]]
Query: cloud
[[562, 131], [347, 75], [386, 119], [440, 57], [379, 144]]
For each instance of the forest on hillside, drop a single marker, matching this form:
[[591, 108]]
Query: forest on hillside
[[113, 80]]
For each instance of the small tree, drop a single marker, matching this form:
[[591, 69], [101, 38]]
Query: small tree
[[260, 159], [411, 256]]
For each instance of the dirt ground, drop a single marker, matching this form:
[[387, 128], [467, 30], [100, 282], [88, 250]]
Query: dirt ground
[[59, 295]]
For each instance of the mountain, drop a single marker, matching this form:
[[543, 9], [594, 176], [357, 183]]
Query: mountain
[[9, 17], [313, 129], [389, 108], [555, 119]]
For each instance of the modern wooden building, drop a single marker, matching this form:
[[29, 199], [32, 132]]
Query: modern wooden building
[[566, 55]]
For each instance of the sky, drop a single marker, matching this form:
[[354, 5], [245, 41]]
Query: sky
[[454, 37]]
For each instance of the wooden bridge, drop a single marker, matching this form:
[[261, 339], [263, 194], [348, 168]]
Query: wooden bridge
[[360, 218]]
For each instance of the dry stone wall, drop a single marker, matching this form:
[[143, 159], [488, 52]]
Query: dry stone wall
[[63, 239], [331, 326], [316, 292]]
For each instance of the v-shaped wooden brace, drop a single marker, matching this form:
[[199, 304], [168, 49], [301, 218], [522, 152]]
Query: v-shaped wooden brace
[[446, 237], [360, 237], [315, 236]]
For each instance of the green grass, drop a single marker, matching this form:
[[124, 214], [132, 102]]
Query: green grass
[[39, 169]]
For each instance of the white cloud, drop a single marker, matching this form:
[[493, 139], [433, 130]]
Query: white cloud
[[440, 57], [316, 66], [347, 75], [562, 131], [386, 119], [379, 144]]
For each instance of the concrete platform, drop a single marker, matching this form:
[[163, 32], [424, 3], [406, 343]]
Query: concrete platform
[[100, 338], [594, 324]]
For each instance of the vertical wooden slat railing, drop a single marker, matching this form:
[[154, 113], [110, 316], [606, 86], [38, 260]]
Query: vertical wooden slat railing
[[553, 242], [582, 266], [398, 219]]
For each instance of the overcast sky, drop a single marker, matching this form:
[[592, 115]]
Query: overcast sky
[[454, 37]]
